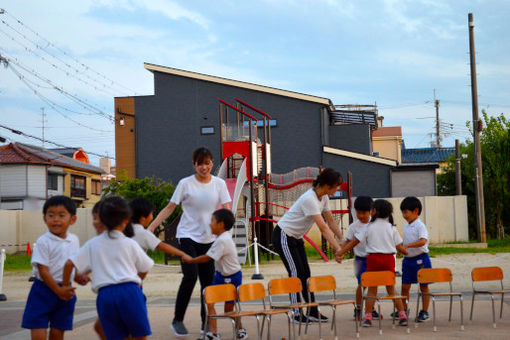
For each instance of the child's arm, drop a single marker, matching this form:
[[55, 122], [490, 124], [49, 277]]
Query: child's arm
[[66, 276], [142, 275], [401, 249], [166, 248], [351, 244], [198, 259], [420, 243], [66, 292]]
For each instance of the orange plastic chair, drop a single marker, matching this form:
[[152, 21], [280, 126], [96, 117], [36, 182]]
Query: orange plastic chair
[[317, 284], [488, 274], [437, 275], [221, 293], [256, 291], [289, 285], [382, 278]]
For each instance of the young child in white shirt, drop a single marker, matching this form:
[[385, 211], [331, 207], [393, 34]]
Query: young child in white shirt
[[228, 270], [49, 302], [382, 242], [142, 211], [118, 265], [416, 242]]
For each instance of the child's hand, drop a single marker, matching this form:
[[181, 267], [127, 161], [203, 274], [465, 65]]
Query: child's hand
[[186, 258], [339, 259], [81, 279], [66, 293]]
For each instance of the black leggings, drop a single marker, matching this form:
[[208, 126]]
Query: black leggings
[[190, 271], [292, 252]]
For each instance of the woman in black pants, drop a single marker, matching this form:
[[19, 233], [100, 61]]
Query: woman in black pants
[[288, 233], [199, 195]]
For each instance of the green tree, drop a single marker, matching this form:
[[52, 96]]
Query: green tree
[[153, 189], [495, 145]]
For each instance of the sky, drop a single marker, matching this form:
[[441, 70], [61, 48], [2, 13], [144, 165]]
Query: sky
[[73, 57]]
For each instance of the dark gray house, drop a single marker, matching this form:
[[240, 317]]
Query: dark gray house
[[156, 134]]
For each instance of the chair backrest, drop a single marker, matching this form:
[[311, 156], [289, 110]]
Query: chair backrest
[[251, 291], [284, 286], [220, 293], [430, 275], [374, 279], [321, 283], [487, 274]]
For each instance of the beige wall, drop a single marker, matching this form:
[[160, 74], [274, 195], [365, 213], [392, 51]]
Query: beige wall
[[388, 147], [444, 216]]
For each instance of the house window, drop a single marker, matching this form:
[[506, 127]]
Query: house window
[[260, 123], [52, 182], [96, 187], [207, 130], [78, 188]]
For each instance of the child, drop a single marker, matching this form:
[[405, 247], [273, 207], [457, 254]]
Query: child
[[100, 227], [416, 243], [382, 241], [228, 270], [49, 301], [118, 266], [363, 206], [142, 211]]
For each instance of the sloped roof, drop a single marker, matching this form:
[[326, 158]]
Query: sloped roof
[[387, 131], [426, 155], [18, 153], [237, 83]]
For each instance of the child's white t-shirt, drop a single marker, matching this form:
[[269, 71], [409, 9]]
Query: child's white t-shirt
[[145, 238], [199, 201], [224, 253], [380, 237], [357, 229], [298, 220], [113, 258], [53, 252], [414, 232]]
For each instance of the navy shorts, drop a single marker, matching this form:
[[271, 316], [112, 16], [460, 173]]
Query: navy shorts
[[122, 311], [360, 266], [235, 279], [411, 266], [45, 307]]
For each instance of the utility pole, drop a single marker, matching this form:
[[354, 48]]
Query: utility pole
[[438, 125], [458, 169], [477, 128], [43, 121]]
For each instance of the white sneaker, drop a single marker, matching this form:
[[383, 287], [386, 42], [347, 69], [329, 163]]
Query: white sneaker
[[241, 333]]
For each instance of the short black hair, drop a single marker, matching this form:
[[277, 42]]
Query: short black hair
[[96, 207], [363, 203], [113, 211], [140, 207], [410, 203], [383, 209], [226, 216], [64, 201], [200, 155]]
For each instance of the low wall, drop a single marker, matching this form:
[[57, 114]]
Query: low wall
[[444, 216]]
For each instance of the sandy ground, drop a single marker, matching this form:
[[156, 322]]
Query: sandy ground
[[162, 283]]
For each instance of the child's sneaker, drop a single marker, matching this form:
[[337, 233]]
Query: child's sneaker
[[402, 322], [366, 323], [316, 317], [423, 316], [241, 333], [211, 336], [395, 314], [300, 319], [375, 315]]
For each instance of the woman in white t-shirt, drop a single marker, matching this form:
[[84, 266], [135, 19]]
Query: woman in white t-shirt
[[199, 196], [288, 233]]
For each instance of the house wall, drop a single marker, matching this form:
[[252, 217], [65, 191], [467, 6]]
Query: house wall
[[90, 199], [413, 183], [13, 180], [168, 126], [125, 135], [368, 178], [388, 147], [37, 186], [350, 137]]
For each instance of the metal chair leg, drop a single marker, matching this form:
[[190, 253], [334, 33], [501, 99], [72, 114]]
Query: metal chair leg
[[450, 314], [434, 313], [501, 308], [333, 322], [461, 313], [417, 306], [493, 312], [205, 327], [472, 305], [379, 310], [269, 327], [234, 329]]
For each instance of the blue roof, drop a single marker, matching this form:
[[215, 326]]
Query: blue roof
[[426, 155]]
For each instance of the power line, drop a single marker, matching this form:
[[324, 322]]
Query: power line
[[21, 133], [85, 68]]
